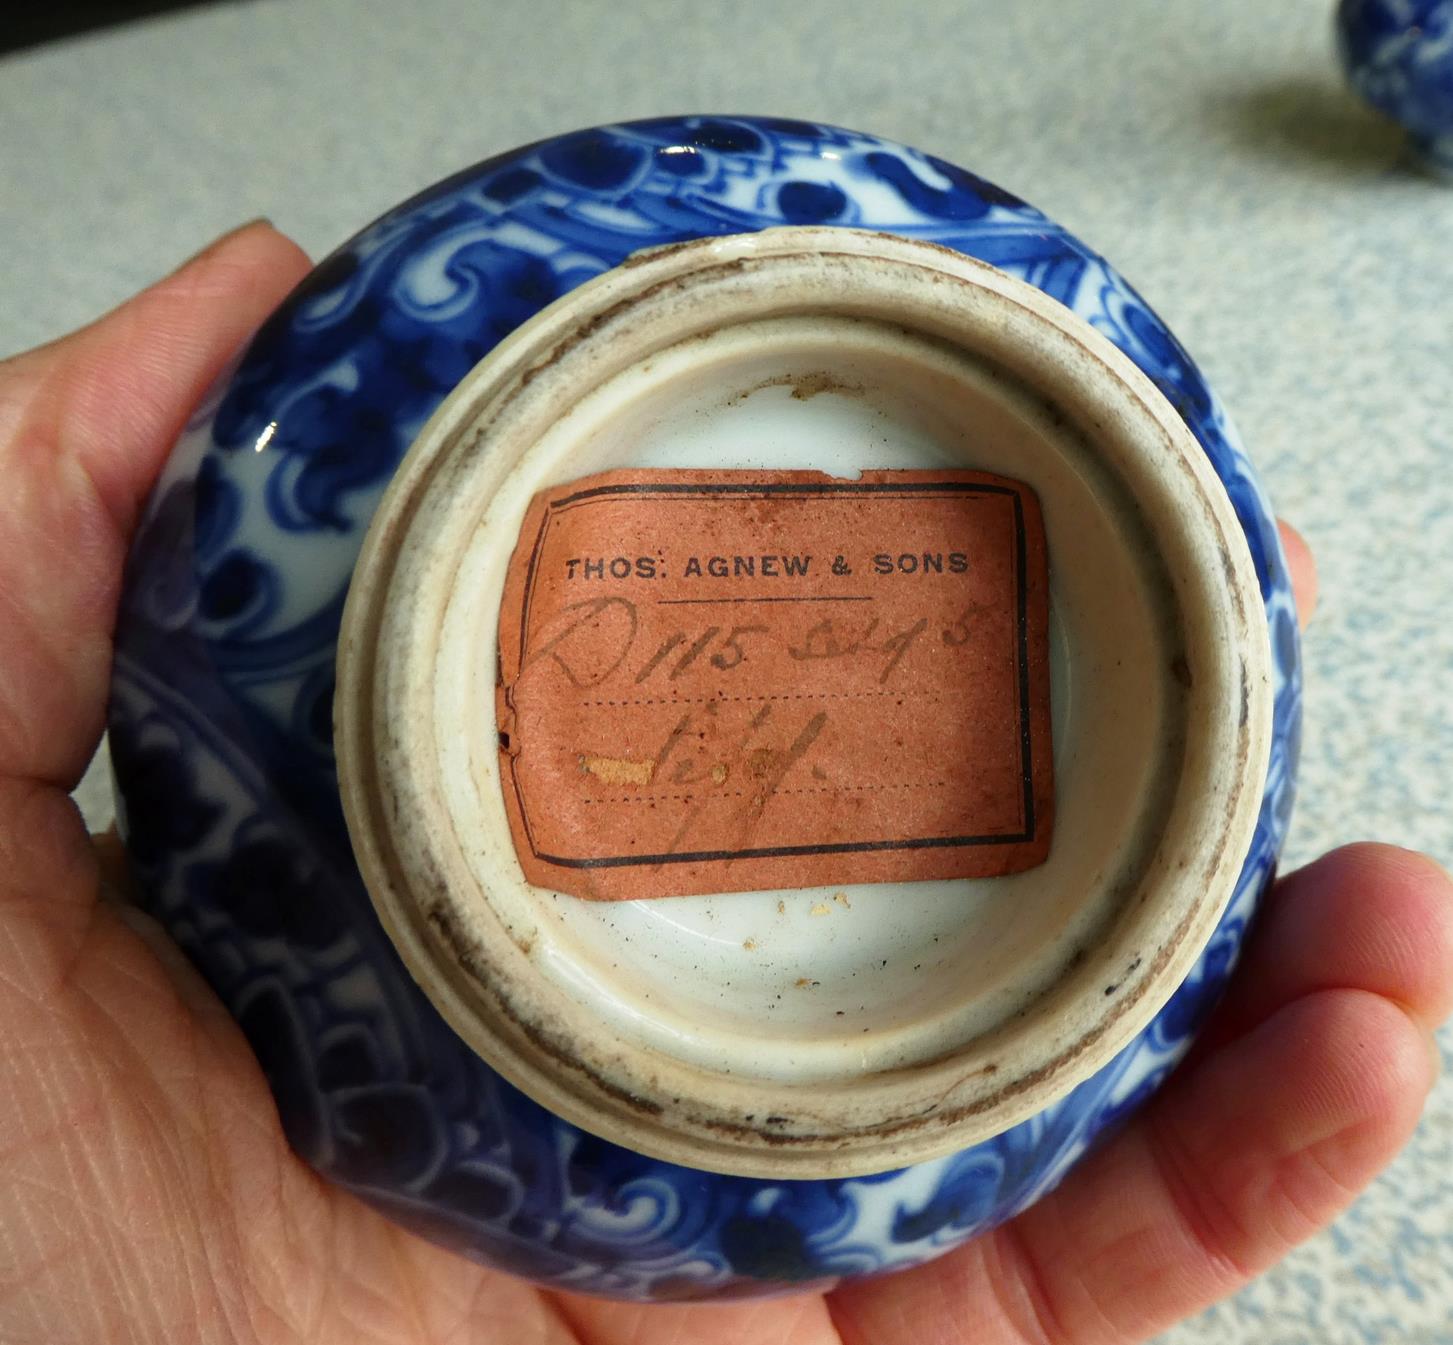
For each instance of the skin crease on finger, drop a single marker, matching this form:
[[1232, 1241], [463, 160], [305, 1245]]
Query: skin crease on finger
[[147, 1194]]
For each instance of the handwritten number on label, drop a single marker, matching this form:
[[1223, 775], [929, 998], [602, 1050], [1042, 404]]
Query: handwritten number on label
[[958, 633], [898, 645], [694, 653], [827, 639], [666, 647], [731, 652], [728, 654]]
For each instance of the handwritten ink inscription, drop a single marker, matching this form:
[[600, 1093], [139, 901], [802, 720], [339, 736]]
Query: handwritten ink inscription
[[721, 681]]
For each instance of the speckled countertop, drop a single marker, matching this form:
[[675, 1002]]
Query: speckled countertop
[[1209, 150]]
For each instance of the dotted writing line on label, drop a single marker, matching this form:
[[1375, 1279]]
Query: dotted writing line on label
[[778, 696], [742, 793]]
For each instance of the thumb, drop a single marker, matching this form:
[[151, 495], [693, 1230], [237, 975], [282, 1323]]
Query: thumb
[[85, 424]]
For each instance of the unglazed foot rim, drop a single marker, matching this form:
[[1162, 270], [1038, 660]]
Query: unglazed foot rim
[[409, 742]]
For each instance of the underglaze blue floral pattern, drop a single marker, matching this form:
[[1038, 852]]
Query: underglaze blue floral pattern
[[221, 713], [1398, 55]]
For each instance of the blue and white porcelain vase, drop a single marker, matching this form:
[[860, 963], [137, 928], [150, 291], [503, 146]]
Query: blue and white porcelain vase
[[560, 1087], [1398, 55]]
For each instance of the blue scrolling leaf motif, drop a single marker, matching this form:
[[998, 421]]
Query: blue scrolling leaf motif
[[221, 712]]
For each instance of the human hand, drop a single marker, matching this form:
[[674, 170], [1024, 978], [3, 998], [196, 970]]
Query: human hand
[[146, 1190]]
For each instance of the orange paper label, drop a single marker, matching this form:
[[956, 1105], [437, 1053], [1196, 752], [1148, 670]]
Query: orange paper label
[[725, 681]]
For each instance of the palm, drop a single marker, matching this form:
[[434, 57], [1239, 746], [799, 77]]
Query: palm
[[146, 1192], [150, 1185]]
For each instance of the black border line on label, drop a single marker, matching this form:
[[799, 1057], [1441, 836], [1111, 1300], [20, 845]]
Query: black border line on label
[[926, 489]]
